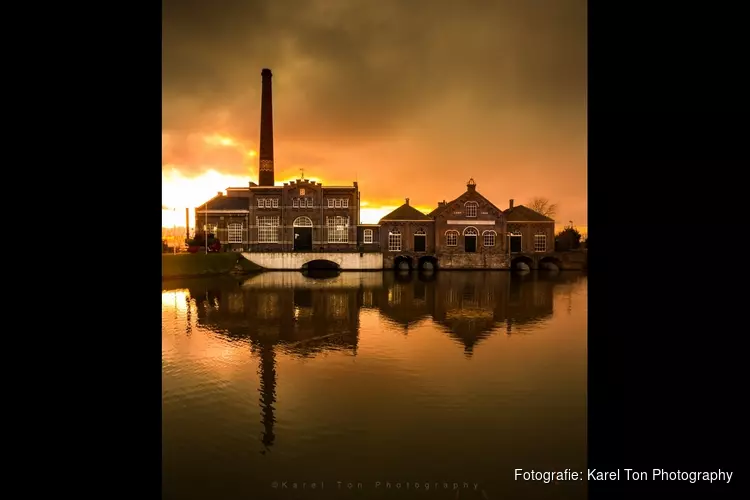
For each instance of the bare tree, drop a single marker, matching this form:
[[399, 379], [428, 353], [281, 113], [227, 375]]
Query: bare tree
[[543, 206]]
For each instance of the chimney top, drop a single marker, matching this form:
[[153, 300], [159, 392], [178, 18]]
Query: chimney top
[[471, 185], [511, 202], [407, 201], [266, 72], [219, 193]]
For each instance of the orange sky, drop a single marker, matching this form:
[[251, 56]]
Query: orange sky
[[410, 102]]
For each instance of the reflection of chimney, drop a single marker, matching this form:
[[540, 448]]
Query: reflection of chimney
[[265, 155], [511, 202], [267, 393]]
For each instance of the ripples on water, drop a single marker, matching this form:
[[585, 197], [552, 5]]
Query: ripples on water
[[366, 377]]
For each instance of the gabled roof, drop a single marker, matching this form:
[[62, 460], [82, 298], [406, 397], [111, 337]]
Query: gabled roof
[[226, 203], [437, 211], [524, 214], [405, 212]]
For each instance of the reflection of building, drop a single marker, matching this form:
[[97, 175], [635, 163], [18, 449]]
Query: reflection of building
[[305, 316], [404, 302], [299, 320], [470, 306]]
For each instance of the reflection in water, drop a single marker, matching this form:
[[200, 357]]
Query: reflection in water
[[301, 316]]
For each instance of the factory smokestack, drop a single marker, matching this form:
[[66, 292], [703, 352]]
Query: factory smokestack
[[187, 223], [265, 156]]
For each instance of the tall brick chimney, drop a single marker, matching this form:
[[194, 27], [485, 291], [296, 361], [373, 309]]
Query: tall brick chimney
[[510, 202], [265, 155]]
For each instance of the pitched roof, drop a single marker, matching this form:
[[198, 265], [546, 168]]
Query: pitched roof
[[406, 212], [520, 213], [437, 211], [226, 203]]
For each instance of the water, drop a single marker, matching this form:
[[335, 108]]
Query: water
[[367, 378]]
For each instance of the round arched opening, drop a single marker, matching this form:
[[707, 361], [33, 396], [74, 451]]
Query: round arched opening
[[522, 263], [402, 263], [320, 265], [550, 264], [428, 264]]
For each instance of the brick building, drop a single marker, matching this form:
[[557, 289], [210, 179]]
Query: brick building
[[466, 232], [529, 231], [469, 232], [301, 215]]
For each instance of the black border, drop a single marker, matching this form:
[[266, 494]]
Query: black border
[[665, 358], [664, 331]]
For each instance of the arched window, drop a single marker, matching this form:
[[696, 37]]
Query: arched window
[[302, 221], [394, 240], [367, 236], [488, 238], [470, 239], [471, 208], [451, 238]]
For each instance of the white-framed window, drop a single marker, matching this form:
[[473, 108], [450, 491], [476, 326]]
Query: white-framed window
[[338, 229], [471, 208], [275, 203], [394, 241], [345, 203], [338, 202], [268, 202], [209, 228], [309, 203], [234, 233], [488, 238], [295, 203], [451, 238], [330, 202], [367, 236], [261, 203], [268, 229], [540, 242]]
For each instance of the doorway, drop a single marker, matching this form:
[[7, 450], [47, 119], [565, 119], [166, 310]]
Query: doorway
[[420, 241], [303, 234], [470, 240], [515, 243]]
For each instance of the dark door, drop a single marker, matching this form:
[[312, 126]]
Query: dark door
[[303, 239], [470, 243], [419, 242], [515, 244]]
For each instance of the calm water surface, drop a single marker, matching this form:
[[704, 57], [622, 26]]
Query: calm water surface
[[370, 378]]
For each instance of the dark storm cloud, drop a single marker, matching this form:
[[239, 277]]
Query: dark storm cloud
[[484, 82]]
